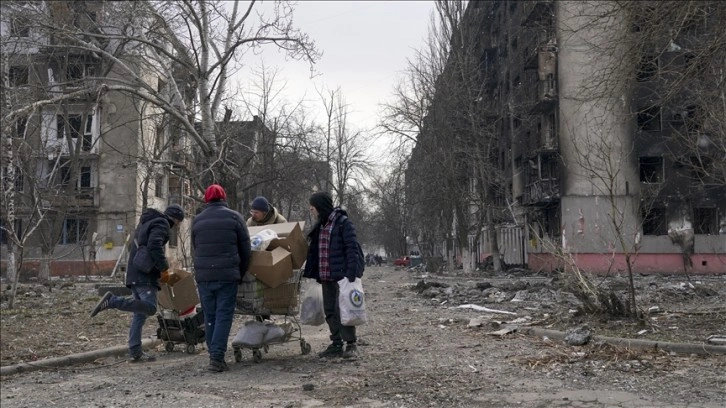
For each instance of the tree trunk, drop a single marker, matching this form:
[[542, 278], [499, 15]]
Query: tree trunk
[[44, 269], [13, 275]]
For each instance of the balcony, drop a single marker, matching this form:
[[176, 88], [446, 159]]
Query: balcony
[[541, 192], [84, 197], [546, 95]]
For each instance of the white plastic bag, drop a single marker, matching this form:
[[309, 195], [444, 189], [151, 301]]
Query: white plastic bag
[[277, 333], [351, 300], [261, 240], [311, 309], [252, 334]]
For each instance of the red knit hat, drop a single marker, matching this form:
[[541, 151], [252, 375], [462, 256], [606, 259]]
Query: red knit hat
[[215, 192]]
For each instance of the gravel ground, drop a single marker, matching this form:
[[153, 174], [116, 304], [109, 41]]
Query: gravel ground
[[418, 349]]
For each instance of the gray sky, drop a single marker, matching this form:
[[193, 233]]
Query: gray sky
[[365, 45]]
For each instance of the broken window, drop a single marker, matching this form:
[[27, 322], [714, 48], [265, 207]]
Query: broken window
[[74, 231], [159, 186], [705, 221], [18, 75], [4, 234], [73, 125], [20, 27], [84, 180], [64, 173], [648, 68], [654, 221], [18, 127], [70, 124], [701, 168], [651, 170], [649, 119]]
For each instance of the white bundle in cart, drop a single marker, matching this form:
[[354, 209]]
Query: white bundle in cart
[[256, 334]]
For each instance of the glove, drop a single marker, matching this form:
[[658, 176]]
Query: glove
[[164, 276]]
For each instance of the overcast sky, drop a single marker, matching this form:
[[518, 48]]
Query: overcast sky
[[365, 45]]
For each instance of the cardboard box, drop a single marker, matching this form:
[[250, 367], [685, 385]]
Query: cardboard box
[[182, 296], [271, 267], [290, 237]]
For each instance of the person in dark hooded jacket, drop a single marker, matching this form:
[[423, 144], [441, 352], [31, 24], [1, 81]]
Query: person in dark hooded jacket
[[332, 256], [221, 244], [152, 233]]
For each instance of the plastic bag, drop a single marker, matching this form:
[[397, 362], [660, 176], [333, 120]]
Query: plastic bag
[[261, 240], [351, 300], [252, 334], [277, 333], [311, 309]]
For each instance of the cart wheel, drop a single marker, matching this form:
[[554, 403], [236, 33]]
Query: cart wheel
[[191, 348], [237, 355], [169, 346], [305, 347], [266, 348], [257, 355]]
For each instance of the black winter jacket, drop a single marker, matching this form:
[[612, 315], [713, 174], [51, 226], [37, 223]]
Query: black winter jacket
[[342, 252], [153, 231], [221, 244]]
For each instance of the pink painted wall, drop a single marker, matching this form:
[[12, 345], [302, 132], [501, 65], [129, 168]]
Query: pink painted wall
[[705, 264]]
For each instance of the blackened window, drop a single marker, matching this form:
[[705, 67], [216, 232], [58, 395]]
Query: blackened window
[[651, 170], [705, 221], [74, 231], [174, 237], [649, 119], [654, 221], [64, 173], [18, 75], [71, 123], [159, 185], [648, 68], [19, 127], [20, 27], [85, 179], [4, 233]]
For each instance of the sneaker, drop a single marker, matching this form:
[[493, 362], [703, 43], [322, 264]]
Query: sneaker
[[217, 366], [351, 351], [142, 358], [333, 350], [102, 304]]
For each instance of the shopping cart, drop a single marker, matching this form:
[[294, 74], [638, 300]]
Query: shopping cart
[[257, 300], [181, 328]]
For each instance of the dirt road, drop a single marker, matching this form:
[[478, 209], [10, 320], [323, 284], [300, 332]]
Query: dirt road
[[416, 351]]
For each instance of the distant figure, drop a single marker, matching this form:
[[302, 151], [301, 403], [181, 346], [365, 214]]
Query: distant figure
[[379, 260], [263, 213], [221, 244], [152, 233]]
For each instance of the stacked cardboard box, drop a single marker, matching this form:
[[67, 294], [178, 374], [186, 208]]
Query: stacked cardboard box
[[273, 269], [274, 265]]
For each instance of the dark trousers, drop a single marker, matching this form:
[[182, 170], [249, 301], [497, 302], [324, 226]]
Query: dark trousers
[[338, 332]]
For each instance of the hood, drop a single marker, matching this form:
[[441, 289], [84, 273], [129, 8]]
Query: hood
[[150, 214]]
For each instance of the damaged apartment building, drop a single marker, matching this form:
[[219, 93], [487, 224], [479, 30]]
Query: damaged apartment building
[[82, 162], [609, 150]]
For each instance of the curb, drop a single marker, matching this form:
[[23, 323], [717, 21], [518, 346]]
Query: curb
[[74, 358], [685, 348]]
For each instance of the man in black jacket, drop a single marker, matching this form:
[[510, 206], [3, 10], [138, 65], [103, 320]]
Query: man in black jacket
[[152, 234], [221, 244]]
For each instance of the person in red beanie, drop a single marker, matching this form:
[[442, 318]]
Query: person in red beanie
[[215, 192], [221, 245]]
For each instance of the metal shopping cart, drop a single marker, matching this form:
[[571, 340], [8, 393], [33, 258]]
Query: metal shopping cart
[[257, 300], [181, 328]]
